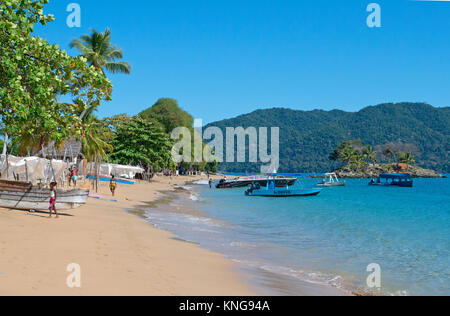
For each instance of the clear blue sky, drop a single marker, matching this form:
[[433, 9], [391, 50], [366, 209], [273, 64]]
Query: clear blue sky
[[223, 58]]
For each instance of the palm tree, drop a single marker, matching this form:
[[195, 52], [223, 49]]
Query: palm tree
[[101, 53], [94, 144], [406, 158], [369, 154], [388, 153]]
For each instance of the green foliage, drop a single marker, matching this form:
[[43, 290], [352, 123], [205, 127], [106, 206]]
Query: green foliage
[[33, 72], [168, 113], [140, 143], [307, 138], [354, 154], [94, 136], [407, 158], [101, 53]]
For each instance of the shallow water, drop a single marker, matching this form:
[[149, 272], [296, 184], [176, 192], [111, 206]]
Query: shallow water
[[331, 238]]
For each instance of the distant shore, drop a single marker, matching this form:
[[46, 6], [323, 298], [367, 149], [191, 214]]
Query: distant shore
[[118, 253]]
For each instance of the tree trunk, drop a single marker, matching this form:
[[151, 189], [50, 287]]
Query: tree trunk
[[5, 145]]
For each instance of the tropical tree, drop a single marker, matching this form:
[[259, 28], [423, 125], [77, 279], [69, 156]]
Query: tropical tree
[[369, 154], [33, 72], [406, 158], [94, 136], [140, 143], [101, 53], [168, 113]]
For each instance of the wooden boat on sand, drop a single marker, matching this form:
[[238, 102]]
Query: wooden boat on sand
[[25, 196]]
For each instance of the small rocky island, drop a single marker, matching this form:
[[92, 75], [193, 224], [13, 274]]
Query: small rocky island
[[364, 162], [375, 170]]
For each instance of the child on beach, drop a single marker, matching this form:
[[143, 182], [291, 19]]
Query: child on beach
[[70, 175], [113, 185], [74, 176], [53, 197]]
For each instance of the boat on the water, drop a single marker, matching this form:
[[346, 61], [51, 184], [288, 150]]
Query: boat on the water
[[271, 190], [331, 180], [280, 181], [394, 179], [25, 196], [104, 178]]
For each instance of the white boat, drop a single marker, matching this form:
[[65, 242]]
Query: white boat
[[271, 190], [25, 196], [331, 180]]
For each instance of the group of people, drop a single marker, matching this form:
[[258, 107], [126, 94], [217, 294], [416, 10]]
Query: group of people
[[73, 178]]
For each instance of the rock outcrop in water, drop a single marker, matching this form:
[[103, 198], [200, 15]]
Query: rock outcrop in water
[[375, 170]]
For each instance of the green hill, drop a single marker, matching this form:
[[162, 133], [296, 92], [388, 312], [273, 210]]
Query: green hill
[[307, 138]]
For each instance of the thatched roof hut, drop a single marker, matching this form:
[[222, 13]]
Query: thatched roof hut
[[70, 150]]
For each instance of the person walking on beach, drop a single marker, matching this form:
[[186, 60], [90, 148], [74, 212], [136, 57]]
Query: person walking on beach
[[113, 185], [53, 197], [210, 183]]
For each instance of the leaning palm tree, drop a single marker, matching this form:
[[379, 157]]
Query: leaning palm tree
[[101, 53]]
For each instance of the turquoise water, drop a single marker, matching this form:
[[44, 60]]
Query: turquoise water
[[333, 237]]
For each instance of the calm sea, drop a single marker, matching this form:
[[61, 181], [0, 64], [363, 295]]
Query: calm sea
[[329, 239]]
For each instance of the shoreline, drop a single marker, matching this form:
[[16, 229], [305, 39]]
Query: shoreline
[[118, 253], [264, 281]]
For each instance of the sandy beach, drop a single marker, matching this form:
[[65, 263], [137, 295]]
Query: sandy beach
[[118, 253]]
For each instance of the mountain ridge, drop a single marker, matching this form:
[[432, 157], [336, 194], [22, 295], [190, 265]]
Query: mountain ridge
[[307, 137]]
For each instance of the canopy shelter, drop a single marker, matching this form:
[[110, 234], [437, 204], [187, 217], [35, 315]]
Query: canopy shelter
[[32, 169], [120, 171]]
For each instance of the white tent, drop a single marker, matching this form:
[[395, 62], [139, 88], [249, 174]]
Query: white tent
[[121, 171]]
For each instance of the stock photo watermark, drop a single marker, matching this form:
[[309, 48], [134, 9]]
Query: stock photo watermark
[[374, 279], [73, 281], [374, 18], [74, 18], [235, 141]]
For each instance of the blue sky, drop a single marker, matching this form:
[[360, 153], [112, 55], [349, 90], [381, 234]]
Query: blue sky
[[220, 59]]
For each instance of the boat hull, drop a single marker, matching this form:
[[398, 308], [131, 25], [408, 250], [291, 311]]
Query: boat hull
[[329, 185], [108, 179], [401, 185], [23, 196], [284, 193], [231, 184]]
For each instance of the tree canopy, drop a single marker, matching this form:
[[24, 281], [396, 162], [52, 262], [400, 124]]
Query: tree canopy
[[168, 113], [140, 143], [34, 72], [101, 53]]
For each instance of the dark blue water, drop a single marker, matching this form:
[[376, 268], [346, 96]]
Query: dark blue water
[[333, 237]]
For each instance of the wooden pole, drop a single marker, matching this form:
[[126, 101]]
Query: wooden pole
[[7, 167], [26, 171], [96, 174]]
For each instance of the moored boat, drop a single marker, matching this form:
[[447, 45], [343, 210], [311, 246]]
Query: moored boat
[[25, 196], [331, 180], [272, 191], [396, 179], [280, 181]]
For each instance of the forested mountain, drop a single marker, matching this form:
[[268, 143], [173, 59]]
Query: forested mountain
[[307, 138]]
